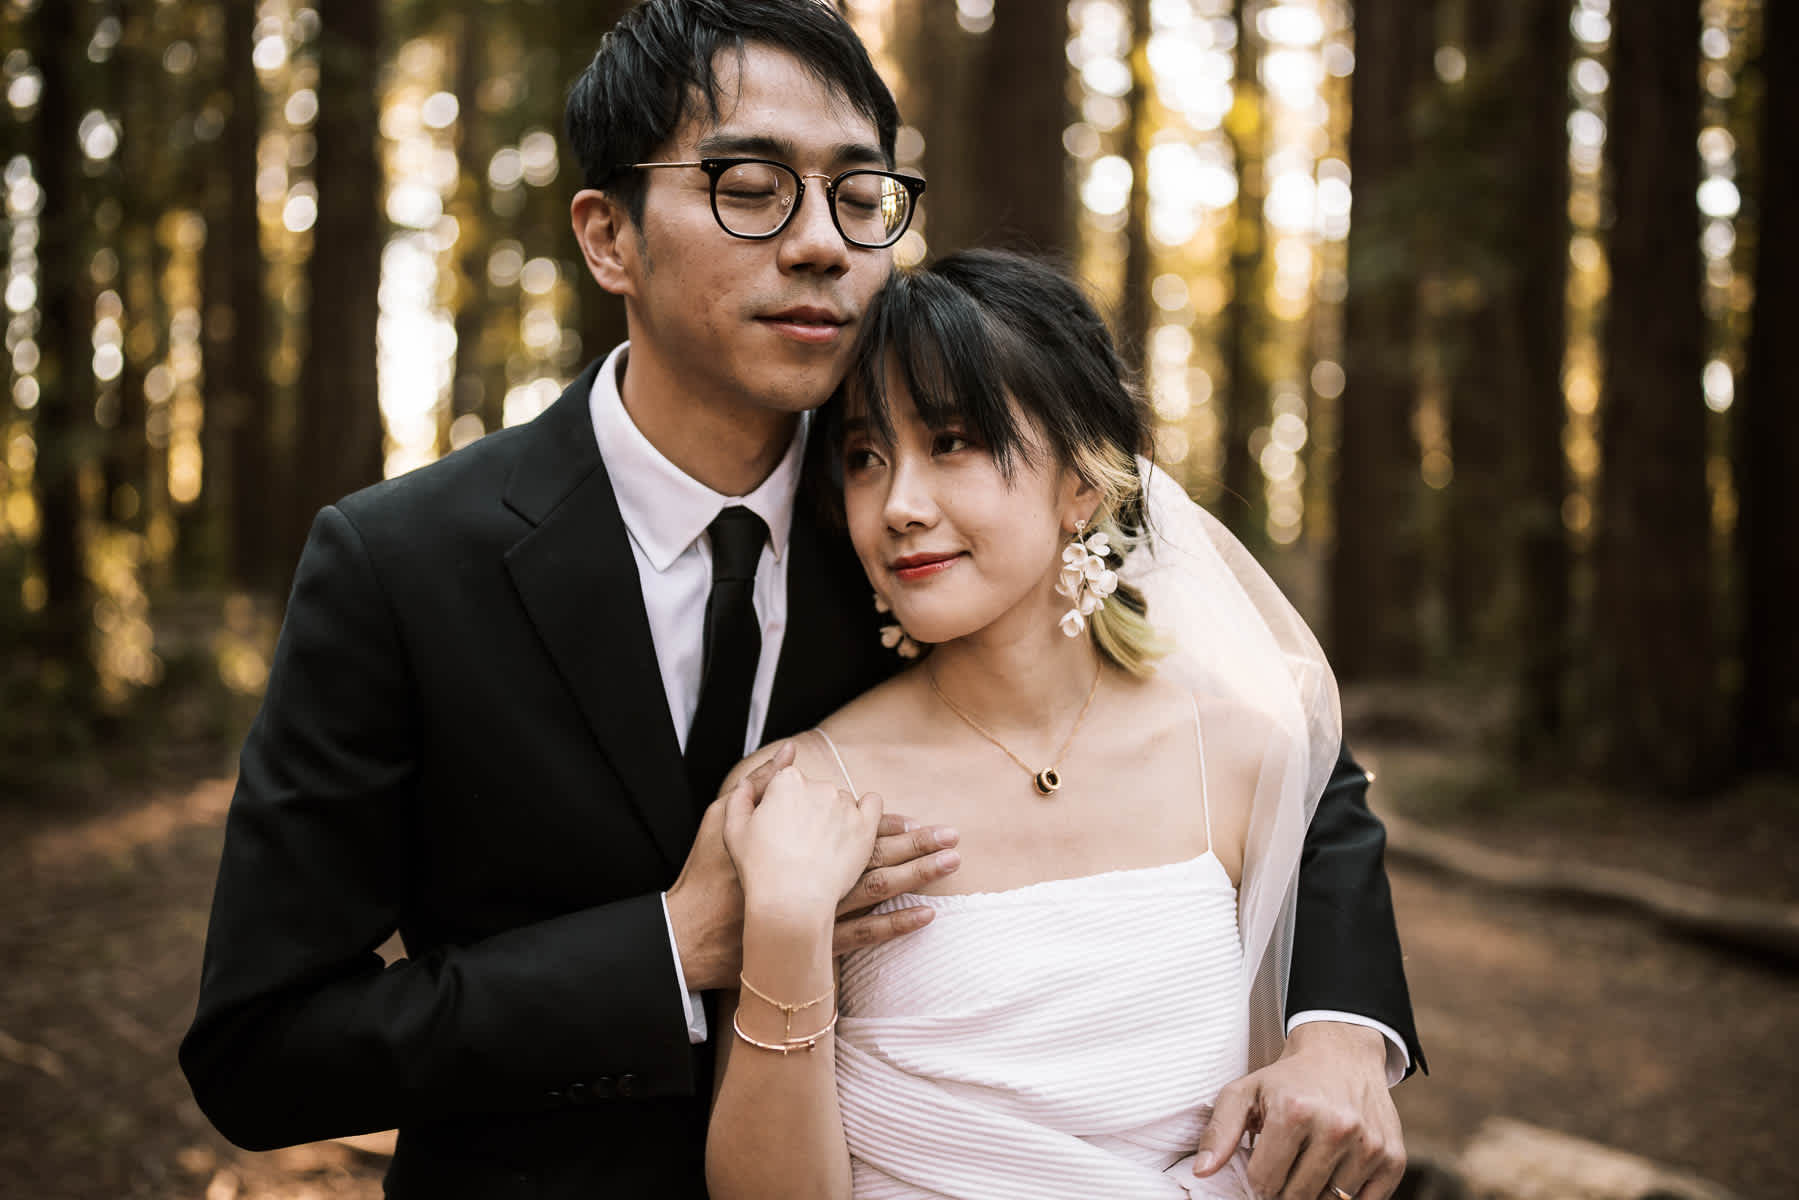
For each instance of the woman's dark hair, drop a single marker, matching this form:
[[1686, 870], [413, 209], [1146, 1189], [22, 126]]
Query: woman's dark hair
[[1008, 349], [659, 59]]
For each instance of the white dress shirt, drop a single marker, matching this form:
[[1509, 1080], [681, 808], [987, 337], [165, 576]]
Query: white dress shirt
[[666, 512]]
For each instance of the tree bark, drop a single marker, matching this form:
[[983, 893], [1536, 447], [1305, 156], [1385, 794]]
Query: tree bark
[[1767, 430], [339, 436], [1139, 256], [243, 397], [1539, 311], [1652, 671], [1022, 111], [1246, 390], [133, 68], [1508, 556], [64, 427], [470, 378], [1376, 572], [934, 98]]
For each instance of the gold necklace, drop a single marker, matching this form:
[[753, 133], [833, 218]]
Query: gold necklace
[[1048, 779]]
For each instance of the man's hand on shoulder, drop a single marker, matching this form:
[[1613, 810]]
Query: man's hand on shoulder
[[907, 856], [1323, 1119], [705, 905]]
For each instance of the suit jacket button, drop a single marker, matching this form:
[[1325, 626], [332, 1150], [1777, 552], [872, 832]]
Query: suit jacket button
[[629, 1085], [555, 1094], [605, 1086], [578, 1093]]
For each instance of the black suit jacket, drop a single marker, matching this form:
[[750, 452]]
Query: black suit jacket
[[465, 739]]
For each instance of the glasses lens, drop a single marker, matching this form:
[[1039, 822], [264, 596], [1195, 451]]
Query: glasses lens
[[752, 199], [872, 207]]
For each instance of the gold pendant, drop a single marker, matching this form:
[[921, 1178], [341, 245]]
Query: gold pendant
[[1046, 781]]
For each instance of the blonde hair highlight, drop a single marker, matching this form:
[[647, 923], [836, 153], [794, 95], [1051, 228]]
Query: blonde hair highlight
[[1121, 628]]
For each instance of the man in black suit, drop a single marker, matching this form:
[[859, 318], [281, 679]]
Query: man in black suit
[[483, 724]]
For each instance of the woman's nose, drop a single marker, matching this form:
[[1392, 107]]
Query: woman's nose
[[910, 503]]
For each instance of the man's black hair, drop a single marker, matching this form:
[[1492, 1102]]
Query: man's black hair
[[986, 340], [660, 58]]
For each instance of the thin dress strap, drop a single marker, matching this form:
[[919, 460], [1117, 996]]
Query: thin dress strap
[[851, 784], [1199, 741]]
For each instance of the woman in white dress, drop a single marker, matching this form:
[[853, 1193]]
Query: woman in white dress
[[1120, 716]]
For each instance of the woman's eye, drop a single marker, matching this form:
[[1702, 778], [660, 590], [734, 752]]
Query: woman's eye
[[859, 458], [949, 443]]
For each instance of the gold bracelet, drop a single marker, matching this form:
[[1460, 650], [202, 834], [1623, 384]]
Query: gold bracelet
[[790, 1045], [787, 1010]]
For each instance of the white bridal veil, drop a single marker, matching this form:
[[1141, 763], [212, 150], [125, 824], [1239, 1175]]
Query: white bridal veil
[[1237, 640]]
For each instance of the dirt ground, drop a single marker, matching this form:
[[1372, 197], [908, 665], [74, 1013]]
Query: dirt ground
[[1589, 1023]]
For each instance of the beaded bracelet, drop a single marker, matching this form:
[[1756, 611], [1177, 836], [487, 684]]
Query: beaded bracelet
[[789, 1046]]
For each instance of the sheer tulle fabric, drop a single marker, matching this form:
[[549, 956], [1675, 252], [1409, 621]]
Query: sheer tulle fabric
[[1238, 638]]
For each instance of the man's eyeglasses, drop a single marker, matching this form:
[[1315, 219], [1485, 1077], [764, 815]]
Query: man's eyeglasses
[[755, 198]]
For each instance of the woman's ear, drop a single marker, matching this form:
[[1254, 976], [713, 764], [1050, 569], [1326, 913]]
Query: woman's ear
[[1080, 501], [609, 240]]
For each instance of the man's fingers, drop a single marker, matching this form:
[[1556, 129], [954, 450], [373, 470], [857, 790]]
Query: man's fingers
[[1318, 1162], [857, 933], [1378, 1162], [895, 823], [894, 848], [1387, 1174], [1237, 1107], [882, 883], [730, 810], [1285, 1122]]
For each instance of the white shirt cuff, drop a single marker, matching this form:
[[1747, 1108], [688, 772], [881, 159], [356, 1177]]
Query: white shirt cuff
[[691, 1008], [1398, 1057]]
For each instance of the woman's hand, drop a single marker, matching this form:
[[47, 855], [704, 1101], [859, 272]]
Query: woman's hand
[[803, 847]]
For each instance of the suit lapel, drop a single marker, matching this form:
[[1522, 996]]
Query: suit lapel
[[577, 578]]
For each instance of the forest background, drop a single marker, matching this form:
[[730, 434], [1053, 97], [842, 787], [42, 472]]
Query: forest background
[[1521, 438]]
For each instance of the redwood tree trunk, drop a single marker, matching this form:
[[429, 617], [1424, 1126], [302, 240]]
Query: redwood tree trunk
[[1767, 416], [1376, 573], [1508, 584], [339, 435], [243, 396], [64, 428], [1652, 672], [1246, 391], [934, 98], [1538, 305], [1139, 258], [1022, 109]]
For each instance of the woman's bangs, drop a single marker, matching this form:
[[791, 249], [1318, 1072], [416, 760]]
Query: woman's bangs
[[934, 339]]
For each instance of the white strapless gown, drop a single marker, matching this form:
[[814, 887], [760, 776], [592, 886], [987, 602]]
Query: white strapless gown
[[1061, 1040]]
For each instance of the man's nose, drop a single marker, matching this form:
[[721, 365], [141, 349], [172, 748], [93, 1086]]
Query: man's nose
[[811, 240]]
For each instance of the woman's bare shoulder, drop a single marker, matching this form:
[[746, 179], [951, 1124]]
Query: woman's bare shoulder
[[877, 716]]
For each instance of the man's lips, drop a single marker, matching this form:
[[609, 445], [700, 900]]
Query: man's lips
[[922, 566], [806, 323]]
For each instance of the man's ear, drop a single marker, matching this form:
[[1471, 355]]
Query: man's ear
[[608, 240]]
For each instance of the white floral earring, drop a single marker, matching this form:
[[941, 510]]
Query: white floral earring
[[894, 636], [1085, 578]]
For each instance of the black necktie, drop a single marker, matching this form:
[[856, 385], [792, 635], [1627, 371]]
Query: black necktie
[[733, 641]]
